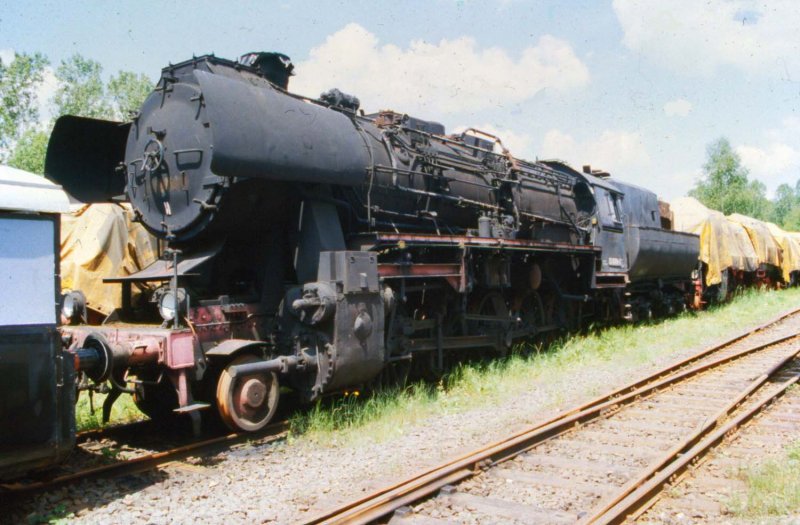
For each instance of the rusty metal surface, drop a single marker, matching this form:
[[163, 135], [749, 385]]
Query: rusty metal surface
[[176, 349], [419, 270], [212, 324], [454, 274], [138, 345], [249, 402]]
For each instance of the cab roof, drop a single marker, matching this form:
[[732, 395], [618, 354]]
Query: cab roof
[[24, 191]]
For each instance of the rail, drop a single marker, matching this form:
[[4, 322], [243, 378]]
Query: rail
[[143, 463], [383, 502]]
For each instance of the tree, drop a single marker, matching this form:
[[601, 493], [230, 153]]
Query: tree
[[785, 201], [755, 202], [127, 91], [81, 91], [30, 151], [19, 81], [726, 187]]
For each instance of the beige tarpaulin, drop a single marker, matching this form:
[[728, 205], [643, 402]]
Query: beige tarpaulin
[[790, 260], [764, 244], [746, 259], [99, 241], [722, 244]]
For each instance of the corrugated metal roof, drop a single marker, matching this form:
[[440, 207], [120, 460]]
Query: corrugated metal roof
[[24, 191]]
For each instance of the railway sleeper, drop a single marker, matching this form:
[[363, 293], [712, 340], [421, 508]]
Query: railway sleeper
[[534, 479], [536, 459], [495, 507]]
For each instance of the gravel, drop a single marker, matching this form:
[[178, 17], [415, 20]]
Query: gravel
[[291, 481], [717, 483]]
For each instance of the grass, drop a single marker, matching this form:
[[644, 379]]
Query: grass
[[123, 411], [773, 488], [58, 516], [390, 413]]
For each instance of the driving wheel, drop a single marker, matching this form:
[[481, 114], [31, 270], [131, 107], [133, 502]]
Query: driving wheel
[[247, 403]]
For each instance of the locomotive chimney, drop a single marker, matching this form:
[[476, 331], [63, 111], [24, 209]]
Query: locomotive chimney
[[275, 67]]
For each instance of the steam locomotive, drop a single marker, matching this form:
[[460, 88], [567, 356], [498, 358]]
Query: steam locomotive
[[309, 245]]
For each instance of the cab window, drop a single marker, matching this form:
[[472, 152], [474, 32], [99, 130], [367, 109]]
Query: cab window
[[613, 210], [611, 216]]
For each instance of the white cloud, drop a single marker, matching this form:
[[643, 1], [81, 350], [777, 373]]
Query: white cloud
[[518, 144], [678, 108], [624, 155], [772, 164], [668, 182], [560, 145], [789, 130], [683, 181], [775, 159], [699, 37], [6, 56], [436, 78], [769, 160], [619, 152]]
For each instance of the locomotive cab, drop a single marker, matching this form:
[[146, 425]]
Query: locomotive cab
[[599, 203], [644, 263], [610, 228]]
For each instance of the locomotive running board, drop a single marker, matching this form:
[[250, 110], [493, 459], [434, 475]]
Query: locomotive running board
[[378, 240], [162, 270]]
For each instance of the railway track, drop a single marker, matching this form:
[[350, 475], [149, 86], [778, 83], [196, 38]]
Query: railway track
[[145, 425], [140, 463], [606, 460], [707, 492]]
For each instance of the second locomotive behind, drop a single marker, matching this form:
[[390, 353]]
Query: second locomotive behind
[[310, 245]]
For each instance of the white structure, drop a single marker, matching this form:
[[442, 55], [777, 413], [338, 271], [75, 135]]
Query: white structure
[[29, 246], [24, 191]]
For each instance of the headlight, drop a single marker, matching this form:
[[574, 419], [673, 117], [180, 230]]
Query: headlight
[[170, 304], [73, 307]]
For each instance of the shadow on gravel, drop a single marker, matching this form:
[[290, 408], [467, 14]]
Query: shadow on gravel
[[69, 501]]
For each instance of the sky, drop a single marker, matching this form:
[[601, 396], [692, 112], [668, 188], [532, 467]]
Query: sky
[[638, 88]]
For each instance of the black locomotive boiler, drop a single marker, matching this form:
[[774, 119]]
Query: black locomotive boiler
[[310, 245]]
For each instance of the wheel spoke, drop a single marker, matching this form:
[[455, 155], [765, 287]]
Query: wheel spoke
[[247, 403]]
